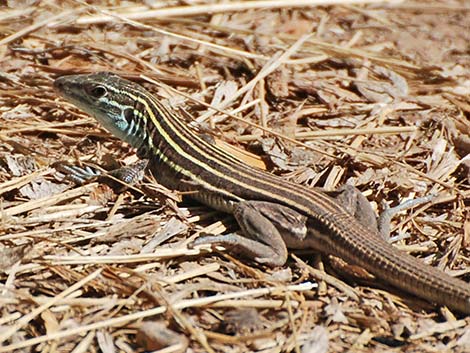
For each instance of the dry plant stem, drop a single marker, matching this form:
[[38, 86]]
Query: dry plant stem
[[85, 343], [45, 233], [404, 5], [48, 200], [125, 259], [198, 272], [52, 127], [18, 182], [9, 318], [256, 303], [380, 19], [56, 131], [37, 26], [70, 302], [307, 135], [196, 10], [295, 333], [123, 320], [245, 106], [325, 277], [13, 14]]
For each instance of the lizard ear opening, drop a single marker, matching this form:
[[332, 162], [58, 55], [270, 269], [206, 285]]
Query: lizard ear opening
[[128, 114]]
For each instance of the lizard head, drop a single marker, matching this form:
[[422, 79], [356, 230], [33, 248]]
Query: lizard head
[[113, 101]]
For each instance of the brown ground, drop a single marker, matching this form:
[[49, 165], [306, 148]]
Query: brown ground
[[379, 93]]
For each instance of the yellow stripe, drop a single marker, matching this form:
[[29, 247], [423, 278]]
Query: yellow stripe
[[219, 174], [176, 167]]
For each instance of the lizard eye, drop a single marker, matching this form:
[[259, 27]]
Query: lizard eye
[[98, 91]]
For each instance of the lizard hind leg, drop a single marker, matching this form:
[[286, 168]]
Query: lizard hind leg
[[261, 240]]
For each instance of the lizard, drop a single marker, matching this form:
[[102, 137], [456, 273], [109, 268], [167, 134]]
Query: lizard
[[274, 214]]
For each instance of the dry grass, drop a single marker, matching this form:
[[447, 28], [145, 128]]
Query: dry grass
[[364, 92]]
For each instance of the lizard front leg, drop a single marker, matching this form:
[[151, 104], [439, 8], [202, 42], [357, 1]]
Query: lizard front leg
[[130, 174]]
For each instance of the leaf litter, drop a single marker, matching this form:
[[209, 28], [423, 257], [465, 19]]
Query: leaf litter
[[373, 94]]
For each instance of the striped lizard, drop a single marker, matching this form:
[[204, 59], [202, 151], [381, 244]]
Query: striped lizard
[[273, 214]]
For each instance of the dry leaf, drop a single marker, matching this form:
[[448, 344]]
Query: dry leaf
[[317, 341], [9, 256], [155, 335]]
